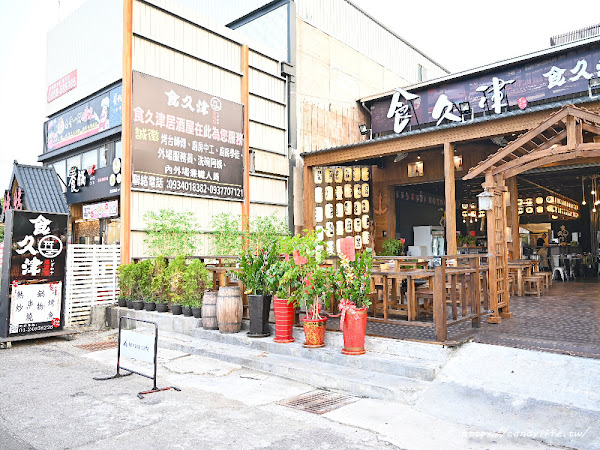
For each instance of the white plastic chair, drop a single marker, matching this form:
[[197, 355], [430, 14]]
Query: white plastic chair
[[556, 267]]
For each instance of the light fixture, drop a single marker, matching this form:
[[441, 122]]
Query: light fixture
[[364, 130], [486, 200], [594, 87], [465, 110], [418, 156], [583, 202], [400, 156]]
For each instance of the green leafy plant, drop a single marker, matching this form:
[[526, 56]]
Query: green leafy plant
[[170, 233], [176, 272], [254, 269], [142, 279], [161, 283], [126, 280], [352, 280], [393, 247], [227, 234], [264, 230], [308, 281], [196, 279]]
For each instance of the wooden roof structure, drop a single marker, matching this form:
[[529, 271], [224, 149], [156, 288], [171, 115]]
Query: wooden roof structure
[[569, 133]]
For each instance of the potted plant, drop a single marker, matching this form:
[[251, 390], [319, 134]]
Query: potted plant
[[160, 284], [146, 269], [310, 283], [282, 307], [352, 288], [254, 267], [141, 283], [196, 280], [125, 283], [176, 272], [393, 247]]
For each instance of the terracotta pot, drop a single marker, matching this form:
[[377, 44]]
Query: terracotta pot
[[355, 329], [284, 320], [314, 332]]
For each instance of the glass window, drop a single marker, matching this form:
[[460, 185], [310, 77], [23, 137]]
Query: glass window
[[103, 156], [61, 169], [73, 161], [117, 149], [89, 159]]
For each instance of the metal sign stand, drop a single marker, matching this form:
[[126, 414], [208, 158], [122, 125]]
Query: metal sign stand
[[130, 371]]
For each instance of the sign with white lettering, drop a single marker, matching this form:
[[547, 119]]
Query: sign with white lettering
[[185, 141], [491, 93], [137, 346], [33, 271]]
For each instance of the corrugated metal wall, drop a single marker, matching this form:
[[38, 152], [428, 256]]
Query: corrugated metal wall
[[202, 58], [346, 23], [91, 41]]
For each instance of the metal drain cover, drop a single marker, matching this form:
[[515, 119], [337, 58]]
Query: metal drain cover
[[319, 401], [96, 346]]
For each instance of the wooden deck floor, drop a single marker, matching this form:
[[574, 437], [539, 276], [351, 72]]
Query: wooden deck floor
[[564, 320]]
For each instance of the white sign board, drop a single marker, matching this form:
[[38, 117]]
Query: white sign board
[[137, 346], [101, 210], [34, 307]]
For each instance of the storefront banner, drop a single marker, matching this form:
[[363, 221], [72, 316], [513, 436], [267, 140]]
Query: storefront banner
[[84, 120], [62, 86], [101, 210], [102, 184], [515, 86], [33, 271], [185, 141]]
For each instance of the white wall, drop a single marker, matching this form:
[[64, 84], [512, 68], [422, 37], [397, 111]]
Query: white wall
[[91, 41]]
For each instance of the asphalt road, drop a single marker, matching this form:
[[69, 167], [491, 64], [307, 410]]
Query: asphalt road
[[50, 400]]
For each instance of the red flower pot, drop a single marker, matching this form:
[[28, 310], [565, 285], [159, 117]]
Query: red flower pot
[[284, 320], [314, 332], [355, 329]]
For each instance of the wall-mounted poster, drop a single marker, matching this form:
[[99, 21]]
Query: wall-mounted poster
[[31, 297], [185, 141], [344, 208]]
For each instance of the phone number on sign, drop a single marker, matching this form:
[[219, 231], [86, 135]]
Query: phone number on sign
[[204, 188]]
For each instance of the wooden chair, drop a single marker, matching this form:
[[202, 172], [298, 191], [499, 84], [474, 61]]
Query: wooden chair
[[532, 285]]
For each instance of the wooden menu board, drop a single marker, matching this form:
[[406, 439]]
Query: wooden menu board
[[343, 205]]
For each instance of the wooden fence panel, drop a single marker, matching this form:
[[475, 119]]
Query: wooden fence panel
[[91, 280]]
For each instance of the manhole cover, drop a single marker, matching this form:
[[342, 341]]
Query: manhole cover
[[96, 346], [319, 401]]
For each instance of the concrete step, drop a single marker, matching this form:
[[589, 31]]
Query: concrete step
[[356, 381], [385, 363]]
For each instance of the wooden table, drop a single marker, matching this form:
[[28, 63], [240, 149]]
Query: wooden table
[[518, 266], [410, 276]]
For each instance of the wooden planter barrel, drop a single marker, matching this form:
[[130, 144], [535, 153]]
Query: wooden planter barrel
[[229, 309], [209, 311]]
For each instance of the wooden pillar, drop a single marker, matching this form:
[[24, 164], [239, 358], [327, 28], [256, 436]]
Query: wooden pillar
[[125, 198], [505, 297], [450, 198], [512, 212], [245, 89], [494, 316], [309, 197]]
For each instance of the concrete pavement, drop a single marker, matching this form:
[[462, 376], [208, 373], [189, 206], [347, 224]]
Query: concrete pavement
[[50, 401]]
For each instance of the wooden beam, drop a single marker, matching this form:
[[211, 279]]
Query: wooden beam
[[533, 156], [512, 213], [592, 128], [521, 140], [491, 242], [125, 196], [450, 191], [584, 115], [553, 159], [394, 144], [571, 133], [309, 198], [245, 94]]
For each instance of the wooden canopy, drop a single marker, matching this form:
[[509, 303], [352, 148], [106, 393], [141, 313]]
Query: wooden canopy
[[569, 133]]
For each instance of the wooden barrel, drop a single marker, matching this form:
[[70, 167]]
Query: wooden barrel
[[229, 309], [209, 311]]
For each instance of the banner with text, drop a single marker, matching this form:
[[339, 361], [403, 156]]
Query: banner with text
[[185, 141]]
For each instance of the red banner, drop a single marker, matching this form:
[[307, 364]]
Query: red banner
[[62, 86]]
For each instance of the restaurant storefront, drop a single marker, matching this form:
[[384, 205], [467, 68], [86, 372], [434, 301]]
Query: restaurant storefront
[[504, 127]]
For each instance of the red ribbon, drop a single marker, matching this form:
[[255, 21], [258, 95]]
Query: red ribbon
[[346, 306]]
